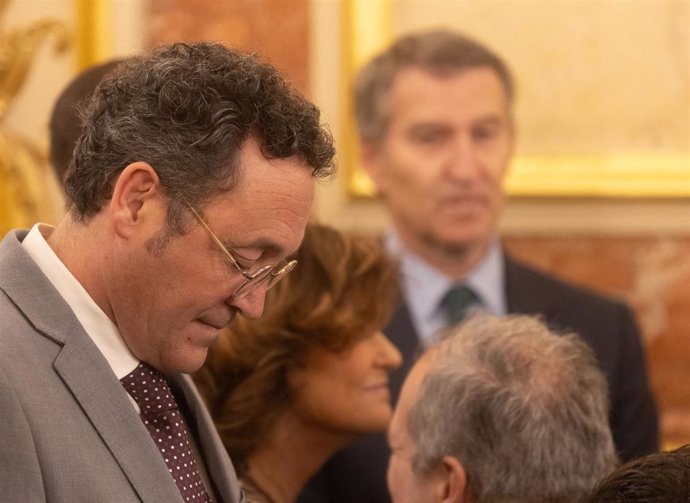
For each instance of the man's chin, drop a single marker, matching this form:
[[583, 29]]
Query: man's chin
[[456, 245], [191, 367], [464, 238], [187, 362]]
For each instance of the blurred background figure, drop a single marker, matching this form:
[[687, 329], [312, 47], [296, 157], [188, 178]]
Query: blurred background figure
[[502, 410], [436, 126], [65, 121], [662, 477], [311, 375]]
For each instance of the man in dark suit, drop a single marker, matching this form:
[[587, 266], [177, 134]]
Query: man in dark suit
[[190, 185], [434, 113]]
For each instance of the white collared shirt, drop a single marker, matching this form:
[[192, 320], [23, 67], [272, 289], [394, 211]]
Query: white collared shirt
[[424, 286], [96, 323]]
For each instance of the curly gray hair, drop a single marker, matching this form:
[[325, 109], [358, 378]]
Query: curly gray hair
[[187, 110]]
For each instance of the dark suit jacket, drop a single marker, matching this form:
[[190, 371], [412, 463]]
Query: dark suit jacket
[[357, 474], [68, 431]]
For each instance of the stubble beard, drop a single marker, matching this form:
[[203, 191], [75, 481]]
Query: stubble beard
[[453, 258], [451, 251]]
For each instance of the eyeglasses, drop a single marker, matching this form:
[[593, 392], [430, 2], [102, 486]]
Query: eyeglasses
[[268, 274]]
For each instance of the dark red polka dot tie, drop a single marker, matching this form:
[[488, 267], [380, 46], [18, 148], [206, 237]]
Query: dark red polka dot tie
[[167, 427]]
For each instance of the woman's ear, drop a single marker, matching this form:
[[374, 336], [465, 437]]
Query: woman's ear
[[455, 487], [136, 186]]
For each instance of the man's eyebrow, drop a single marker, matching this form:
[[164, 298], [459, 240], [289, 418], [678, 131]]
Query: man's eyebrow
[[429, 124], [490, 120]]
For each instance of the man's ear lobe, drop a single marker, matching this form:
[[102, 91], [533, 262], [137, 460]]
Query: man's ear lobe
[[455, 488], [137, 185], [371, 162], [367, 152]]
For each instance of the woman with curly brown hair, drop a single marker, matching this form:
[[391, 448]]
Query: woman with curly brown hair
[[290, 389]]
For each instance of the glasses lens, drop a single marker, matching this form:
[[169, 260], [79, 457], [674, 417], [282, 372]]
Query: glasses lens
[[249, 286], [270, 276], [279, 272]]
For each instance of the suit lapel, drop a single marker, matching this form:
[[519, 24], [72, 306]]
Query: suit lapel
[[218, 464], [524, 294], [86, 373], [401, 331], [99, 393]]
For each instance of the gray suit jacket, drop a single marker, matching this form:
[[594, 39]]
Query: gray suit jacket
[[68, 432]]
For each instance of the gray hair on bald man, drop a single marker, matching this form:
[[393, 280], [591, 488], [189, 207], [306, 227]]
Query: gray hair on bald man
[[523, 410]]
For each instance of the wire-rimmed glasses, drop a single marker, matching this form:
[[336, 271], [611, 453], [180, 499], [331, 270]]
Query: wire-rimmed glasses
[[268, 274]]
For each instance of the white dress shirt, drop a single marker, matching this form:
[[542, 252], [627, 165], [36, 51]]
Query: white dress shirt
[[96, 323]]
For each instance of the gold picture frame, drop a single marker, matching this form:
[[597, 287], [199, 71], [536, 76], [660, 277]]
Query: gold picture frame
[[92, 32], [367, 28]]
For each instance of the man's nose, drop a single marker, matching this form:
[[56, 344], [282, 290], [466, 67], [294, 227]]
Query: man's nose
[[462, 163], [251, 305]]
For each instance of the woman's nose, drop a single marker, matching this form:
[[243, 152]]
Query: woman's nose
[[390, 355]]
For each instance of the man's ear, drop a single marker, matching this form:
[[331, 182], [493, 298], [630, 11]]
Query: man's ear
[[372, 164], [133, 192], [455, 487]]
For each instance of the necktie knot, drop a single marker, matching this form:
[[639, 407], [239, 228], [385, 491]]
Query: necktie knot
[[149, 389], [457, 302]]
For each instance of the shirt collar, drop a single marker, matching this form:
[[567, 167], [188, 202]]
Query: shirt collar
[[488, 279], [96, 323], [424, 286]]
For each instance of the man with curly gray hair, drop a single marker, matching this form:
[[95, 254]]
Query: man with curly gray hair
[[189, 190], [501, 410]]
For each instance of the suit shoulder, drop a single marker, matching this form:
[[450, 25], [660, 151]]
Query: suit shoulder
[[526, 278]]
